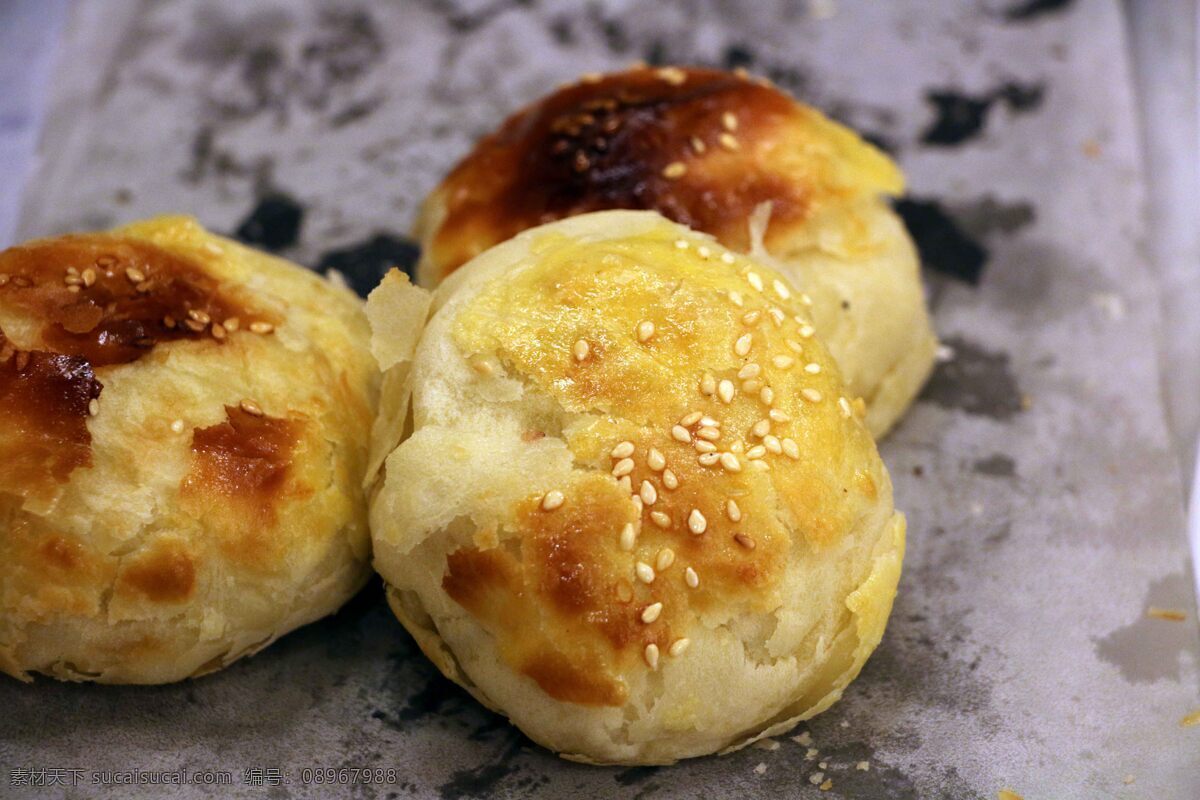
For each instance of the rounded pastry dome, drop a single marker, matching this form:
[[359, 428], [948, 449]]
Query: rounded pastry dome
[[706, 148], [184, 427], [633, 507]]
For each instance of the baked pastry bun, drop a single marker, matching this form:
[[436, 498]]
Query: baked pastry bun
[[634, 508], [707, 148], [184, 428]]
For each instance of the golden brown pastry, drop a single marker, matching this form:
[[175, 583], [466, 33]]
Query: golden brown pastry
[[707, 148], [184, 429], [634, 508]]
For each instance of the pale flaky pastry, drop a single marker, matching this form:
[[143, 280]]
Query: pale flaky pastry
[[634, 507], [184, 429], [707, 148]]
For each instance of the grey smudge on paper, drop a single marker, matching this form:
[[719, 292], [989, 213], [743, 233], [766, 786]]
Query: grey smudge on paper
[[960, 117], [1026, 10], [1138, 649], [976, 380], [987, 215], [997, 465], [941, 242]]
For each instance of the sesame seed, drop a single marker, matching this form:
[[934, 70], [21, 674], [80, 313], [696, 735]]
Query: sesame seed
[[811, 395], [780, 289], [691, 419], [737, 447], [806, 331], [3, 279], [651, 612], [72, 289], [626, 484], [135, 275], [735, 296], [778, 416], [772, 444], [812, 368], [232, 324], [844, 405], [681, 244], [666, 557], [805, 299], [708, 459], [744, 540], [691, 578], [672, 75], [648, 493], [622, 467], [177, 426], [193, 325], [751, 317], [680, 434], [767, 395], [698, 144], [697, 524], [729, 121], [758, 451], [638, 505], [669, 480], [651, 654], [730, 462], [69, 280], [732, 510], [704, 446], [645, 330], [726, 391], [252, 408], [794, 346], [703, 251], [660, 519], [727, 257], [89, 277], [741, 347], [552, 500], [199, 316], [655, 460], [628, 537], [761, 428], [777, 316], [728, 141], [783, 362], [678, 647], [581, 349], [709, 422], [218, 331], [709, 433], [675, 169], [754, 280], [791, 449], [261, 327], [622, 450], [644, 572], [751, 387], [93, 407], [708, 385], [750, 370], [480, 365]]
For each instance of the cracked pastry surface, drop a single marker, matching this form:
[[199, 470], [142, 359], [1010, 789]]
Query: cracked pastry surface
[[705, 148], [622, 495], [184, 427]]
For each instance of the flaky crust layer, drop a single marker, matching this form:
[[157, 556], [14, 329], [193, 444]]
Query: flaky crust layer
[[191, 418], [633, 507]]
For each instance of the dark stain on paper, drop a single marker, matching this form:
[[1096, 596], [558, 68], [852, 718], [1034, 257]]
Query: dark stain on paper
[[976, 380]]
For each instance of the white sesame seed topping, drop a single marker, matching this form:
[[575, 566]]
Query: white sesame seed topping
[[806, 331], [727, 257], [622, 450], [708, 385], [730, 462], [751, 317], [622, 467], [680, 434], [751, 387], [89, 277], [675, 169], [761, 428], [729, 121], [777, 316], [750, 370], [758, 451], [698, 144], [791, 449], [93, 407], [648, 493], [704, 446], [691, 578], [250, 407], [134, 275], [625, 483], [754, 280], [805, 299], [709, 422], [681, 244], [697, 524], [177, 426], [644, 572], [780, 289], [812, 368], [638, 505], [552, 500], [726, 391], [727, 141], [678, 647], [660, 519], [232, 324], [811, 395], [261, 328], [651, 612], [844, 405], [744, 540], [651, 655], [767, 395], [732, 510], [691, 419], [778, 416], [735, 296], [772, 444], [709, 433], [628, 537], [741, 347], [645, 330], [655, 460], [669, 480], [783, 362], [708, 459], [666, 557], [703, 251], [581, 349], [737, 447]]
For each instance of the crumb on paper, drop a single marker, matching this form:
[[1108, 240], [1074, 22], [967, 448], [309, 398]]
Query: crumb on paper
[[1170, 614], [1190, 720], [976, 509], [1091, 148], [1008, 794], [761, 768], [1111, 304], [823, 765], [827, 785], [822, 9], [845, 723], [1026, 402], [811, 754], [944, 354], [863, 766], [1128, 779], [804, 739], [767, 744], [816, 778]]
